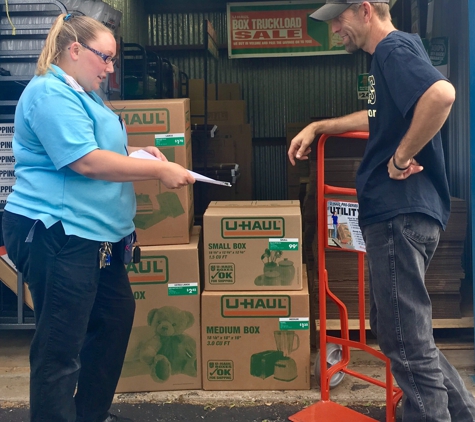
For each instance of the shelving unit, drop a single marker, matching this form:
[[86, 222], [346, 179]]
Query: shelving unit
[[24, 25], [22, 33], [148, 75], [203, 132]]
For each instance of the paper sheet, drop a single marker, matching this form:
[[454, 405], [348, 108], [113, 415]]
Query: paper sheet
[[198, 177]]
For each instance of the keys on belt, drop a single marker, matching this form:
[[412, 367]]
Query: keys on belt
[[105, 254]]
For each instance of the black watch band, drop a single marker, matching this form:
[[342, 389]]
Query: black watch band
[[400, 168]]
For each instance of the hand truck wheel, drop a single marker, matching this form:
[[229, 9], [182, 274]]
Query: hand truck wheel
[[333, 357]]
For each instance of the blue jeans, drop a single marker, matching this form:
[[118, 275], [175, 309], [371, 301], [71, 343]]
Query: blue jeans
[[399, 251], [83, 320]]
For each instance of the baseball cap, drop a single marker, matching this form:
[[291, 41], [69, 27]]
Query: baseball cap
[[334, 8]]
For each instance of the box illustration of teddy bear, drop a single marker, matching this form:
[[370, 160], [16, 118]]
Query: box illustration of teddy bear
[[162, 348]]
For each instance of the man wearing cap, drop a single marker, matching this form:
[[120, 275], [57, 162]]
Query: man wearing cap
[[403, 197]]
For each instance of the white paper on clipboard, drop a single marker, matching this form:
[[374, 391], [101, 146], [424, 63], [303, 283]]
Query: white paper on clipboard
[[198, 177]]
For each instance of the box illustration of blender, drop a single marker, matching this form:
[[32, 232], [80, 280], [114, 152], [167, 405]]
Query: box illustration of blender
[[255, 340]]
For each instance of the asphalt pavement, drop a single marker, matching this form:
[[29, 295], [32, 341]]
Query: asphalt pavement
[[183, 412]]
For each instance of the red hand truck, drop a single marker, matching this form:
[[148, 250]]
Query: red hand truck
[[325, 410]]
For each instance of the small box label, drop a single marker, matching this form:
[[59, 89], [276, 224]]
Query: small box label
[[294, 324], [220, 370], [283, 244], [221, 273], [183, 289]]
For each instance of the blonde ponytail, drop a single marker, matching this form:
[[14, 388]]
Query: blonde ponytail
[[67, 29]]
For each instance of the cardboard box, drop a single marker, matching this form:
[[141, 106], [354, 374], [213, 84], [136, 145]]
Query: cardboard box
[[220, 112], [226, 91], [9, 277], [231, 144], [164, 216], [164, 347], [256, 340], [253, 245]]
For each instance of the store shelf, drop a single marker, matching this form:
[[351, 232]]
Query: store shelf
[[354, 324]]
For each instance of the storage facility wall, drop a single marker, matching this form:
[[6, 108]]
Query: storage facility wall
[[451, 20], [277, 90], [133, 26]]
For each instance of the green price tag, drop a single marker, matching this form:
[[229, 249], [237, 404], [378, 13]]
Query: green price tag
[[294, 324], [170, 140], [283, 244], [182, 289]]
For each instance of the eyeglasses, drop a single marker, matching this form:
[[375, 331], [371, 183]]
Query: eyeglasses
[[107, 59]]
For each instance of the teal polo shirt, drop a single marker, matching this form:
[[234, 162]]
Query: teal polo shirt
[[55, 125]]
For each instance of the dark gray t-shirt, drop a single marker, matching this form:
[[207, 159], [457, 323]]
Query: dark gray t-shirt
[[400, 74]]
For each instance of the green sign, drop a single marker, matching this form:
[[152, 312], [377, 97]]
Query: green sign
[[439, 51], [294, 324], [183, 289], [363, 86], [170, 140], [283, 244]]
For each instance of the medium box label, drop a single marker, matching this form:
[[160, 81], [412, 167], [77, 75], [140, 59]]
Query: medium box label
[[294, 324], [182, 289]]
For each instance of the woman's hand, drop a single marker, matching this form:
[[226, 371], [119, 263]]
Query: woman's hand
[[174, 176], [155, 152]]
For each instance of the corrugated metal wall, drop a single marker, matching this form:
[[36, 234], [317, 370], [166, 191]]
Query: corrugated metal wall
[[451, 20], [277, 90], [133, 27]]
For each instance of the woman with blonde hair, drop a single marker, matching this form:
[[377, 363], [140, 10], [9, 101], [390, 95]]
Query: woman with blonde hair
[[68, 220]]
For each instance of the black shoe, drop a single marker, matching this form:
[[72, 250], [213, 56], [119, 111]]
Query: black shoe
[[114, 418]]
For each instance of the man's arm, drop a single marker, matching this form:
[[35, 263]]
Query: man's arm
[[300, 145], [430, 114]]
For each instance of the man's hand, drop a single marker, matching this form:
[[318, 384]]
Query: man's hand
[[300, 145], [394, 173]]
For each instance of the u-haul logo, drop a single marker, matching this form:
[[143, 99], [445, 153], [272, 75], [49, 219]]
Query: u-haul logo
[[145, 122], [257, 306], [252, 227], [150, 270]]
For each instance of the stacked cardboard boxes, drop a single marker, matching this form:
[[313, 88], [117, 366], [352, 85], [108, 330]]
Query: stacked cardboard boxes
[[164, 351], [164, 216], [255, 319], [230, 143]]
